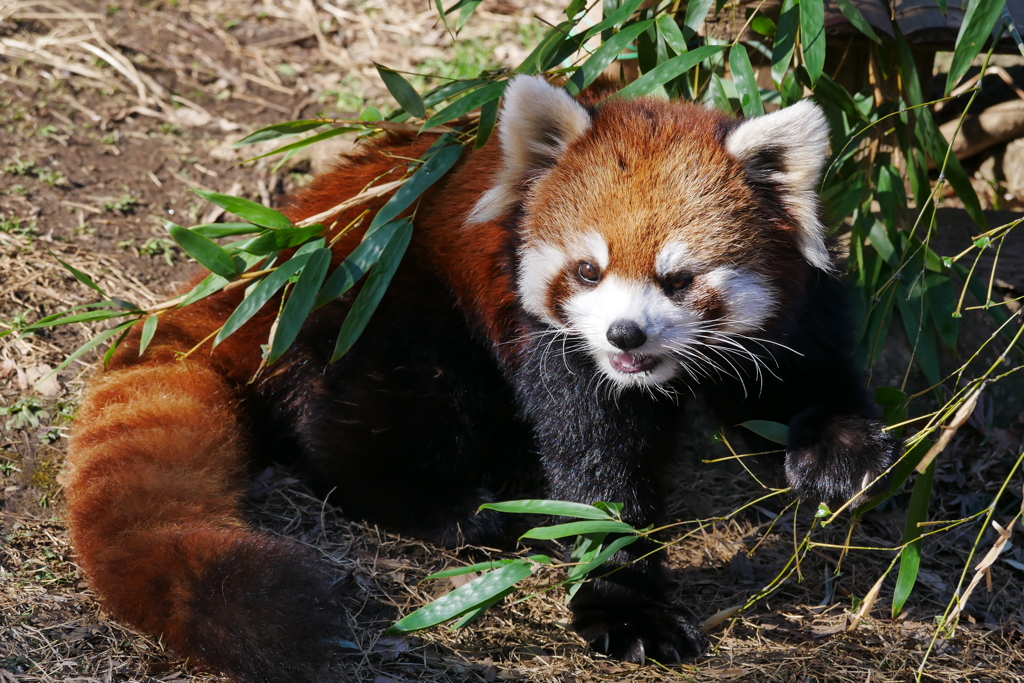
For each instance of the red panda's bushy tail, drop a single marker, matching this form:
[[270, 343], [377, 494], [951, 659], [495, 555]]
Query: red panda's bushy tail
[[153, 488]]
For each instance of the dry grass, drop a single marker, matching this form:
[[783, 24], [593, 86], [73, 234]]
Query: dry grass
[[141, 100]]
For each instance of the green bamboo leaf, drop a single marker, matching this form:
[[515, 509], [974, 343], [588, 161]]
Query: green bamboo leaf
[[488, 117], [716, 95], [436, 96], [148, 330], [746, 81], [204, 250], [300, 302], [931, 138], [244, 208], [605, 55], [910, 562], [402, 91], [773, 431], [477, 592], [442, 156], [577, 528], [280, 130], [87, 347], [696, 13], [941, 306], [857, 19], [921, 337], [284, 238], [50, 319], [615, 546], [670, 30], [585, 549], [615, 19], [663, 73], [466, 9], [763, 25], [472, 615], [979, 20], [358, 262], [555, 508], [79, 275], [466, 104], [785, 40], [213, 283], [549, 48], [218, 230], [812, 37], [89, 316], [306, 142], [260, 295], [468, 569], [372, 291]]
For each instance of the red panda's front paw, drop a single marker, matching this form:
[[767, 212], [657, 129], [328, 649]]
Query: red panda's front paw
[[833, 458], [638, 632]]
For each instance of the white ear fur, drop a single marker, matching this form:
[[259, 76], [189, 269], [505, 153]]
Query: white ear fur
[[536, 125], [789, 147]]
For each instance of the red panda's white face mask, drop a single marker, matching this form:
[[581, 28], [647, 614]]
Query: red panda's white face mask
[[657, 236]]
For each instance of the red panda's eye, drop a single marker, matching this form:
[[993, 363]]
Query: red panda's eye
[[679, 282], [588, 272]]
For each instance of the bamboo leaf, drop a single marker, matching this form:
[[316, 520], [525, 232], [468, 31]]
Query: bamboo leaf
[[555, 508], [87, 347], [746, 81], [468, 569], [785, 40], [358, 262], [280, 130], [577, 528], [605, 55], [615, 19], [812, 37], [773, 431], [306, 142], [605, 555], [203, 250], [218, 230], [857, 19], [663, 73], [477, 592], [402, 91], [696, 13], [244, 208], [372, 291], [910, 562], [284, 238], [148, 330], [300, 302], [89, 316], [442, 157], [979, 20], [260, 295], [488, 117], [80, 276], [673, 36], [466, 104]]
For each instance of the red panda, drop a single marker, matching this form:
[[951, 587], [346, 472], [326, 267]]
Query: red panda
[[563, 287]]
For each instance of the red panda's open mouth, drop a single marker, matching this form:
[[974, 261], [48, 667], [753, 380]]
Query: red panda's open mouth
[[631, 363]]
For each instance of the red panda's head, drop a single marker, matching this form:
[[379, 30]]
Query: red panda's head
[[657, 233]]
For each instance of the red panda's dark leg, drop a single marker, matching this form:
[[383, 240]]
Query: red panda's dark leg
[[597, 445], [836, 445]]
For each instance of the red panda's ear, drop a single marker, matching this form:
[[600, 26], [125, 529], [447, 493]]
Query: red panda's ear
[[537, 123], [787, 150]]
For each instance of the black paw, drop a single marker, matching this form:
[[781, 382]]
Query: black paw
[[636, 632], [832, 458]]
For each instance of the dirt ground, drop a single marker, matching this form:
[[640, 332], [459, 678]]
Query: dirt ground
[[110, 113]]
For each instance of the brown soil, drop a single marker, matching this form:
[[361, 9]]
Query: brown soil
[[109, 114]]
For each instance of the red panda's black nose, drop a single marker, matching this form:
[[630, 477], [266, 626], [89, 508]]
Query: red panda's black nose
[[626, 335]]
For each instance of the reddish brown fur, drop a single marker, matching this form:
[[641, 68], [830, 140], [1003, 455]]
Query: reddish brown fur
[[158, 452]]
